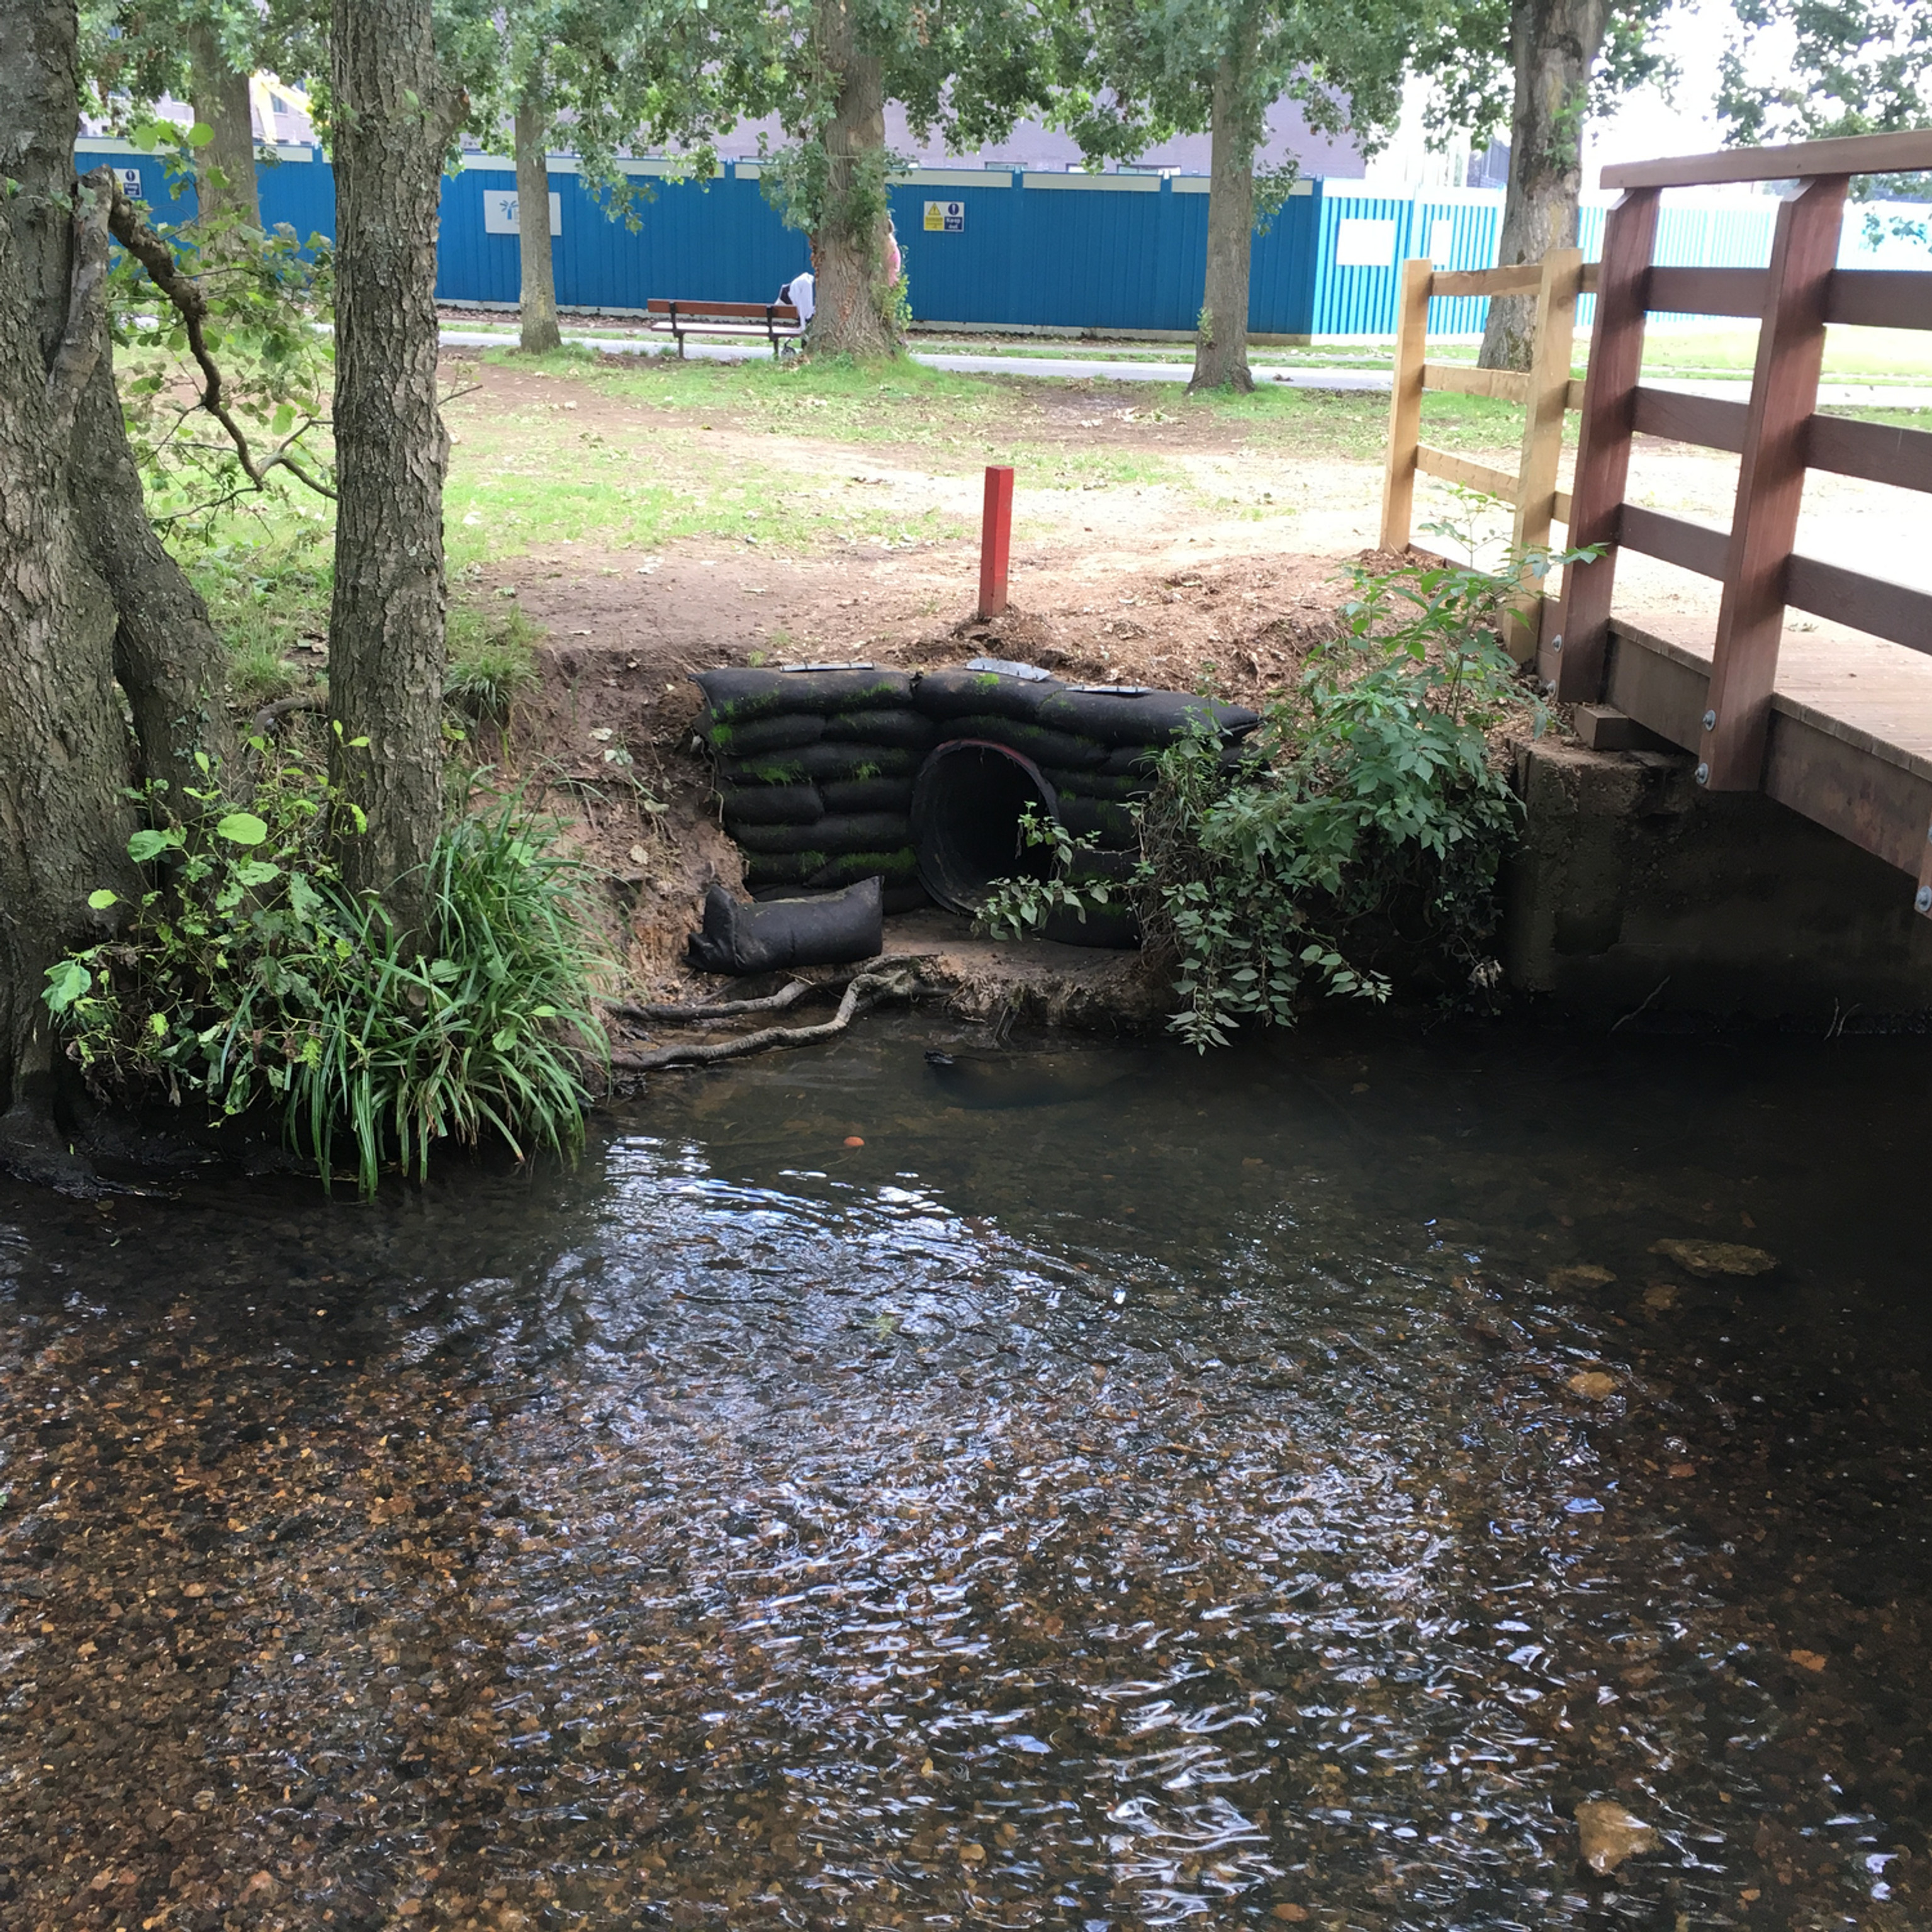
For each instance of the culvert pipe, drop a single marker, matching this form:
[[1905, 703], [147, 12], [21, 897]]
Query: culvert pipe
[[966, 804]]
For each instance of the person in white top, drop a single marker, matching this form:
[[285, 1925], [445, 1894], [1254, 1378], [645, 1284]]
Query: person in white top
[[798, 292]]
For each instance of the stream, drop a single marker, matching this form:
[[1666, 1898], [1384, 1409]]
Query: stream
[[1089, 1486]]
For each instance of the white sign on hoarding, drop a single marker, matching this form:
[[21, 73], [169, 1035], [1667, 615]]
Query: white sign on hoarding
[[130, 184], [1364, 245], [1442, 244], [500, 212], [945, 217]]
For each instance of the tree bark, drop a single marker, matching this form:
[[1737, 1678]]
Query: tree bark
[[537, 298], [1221, 341], [386, 638], [65, 816], [1554, 44], [225, 189], [849, 247]]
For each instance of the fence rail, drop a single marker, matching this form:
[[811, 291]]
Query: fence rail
[[1544, 392]]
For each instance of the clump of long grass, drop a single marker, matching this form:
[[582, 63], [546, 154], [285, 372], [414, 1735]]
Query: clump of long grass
[[249, 974]]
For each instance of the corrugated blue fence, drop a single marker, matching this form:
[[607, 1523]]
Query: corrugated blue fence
[[993, 247]]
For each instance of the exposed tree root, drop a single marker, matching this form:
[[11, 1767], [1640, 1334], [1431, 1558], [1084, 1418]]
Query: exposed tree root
[[720, 1010], [866, 991]]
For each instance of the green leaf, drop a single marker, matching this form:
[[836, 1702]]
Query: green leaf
[[149, 844], [256, 872], [242, 828], [285, 418], [66, 983], [157, 1025], [101, 898], [200, 134]]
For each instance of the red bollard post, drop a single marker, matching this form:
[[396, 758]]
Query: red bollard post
[[996, 531]]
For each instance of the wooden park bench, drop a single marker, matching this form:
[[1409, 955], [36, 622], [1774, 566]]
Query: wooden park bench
[[777, 322]]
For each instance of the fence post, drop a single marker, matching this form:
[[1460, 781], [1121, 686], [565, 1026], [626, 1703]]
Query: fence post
[[1543, 408], [1574, 659], [1411, 345], [1771, 485], [996, 531]]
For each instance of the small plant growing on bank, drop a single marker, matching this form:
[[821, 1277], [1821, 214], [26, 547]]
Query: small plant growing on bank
[[249, 973], [1367, 800]]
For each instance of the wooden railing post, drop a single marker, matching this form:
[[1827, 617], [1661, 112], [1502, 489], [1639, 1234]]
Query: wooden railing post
[[1573, 660], [1411, 345], [1543, 434], [1771, 486]]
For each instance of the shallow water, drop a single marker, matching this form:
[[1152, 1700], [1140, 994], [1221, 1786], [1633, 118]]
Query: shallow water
[[1125, 1491]]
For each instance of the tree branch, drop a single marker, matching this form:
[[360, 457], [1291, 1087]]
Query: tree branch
[[865, 992], [130, 229], [86, 331]]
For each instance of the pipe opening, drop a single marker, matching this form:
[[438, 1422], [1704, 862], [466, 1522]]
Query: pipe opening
[[966, 809]]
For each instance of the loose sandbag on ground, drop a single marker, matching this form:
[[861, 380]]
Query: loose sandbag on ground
[[833, 929], [1154, 718], [909, 729], [738, 695], [896, 868], [822, 760], [1120, 786], [781, 733], [1113, 825], [867, 794], [771, 805], [948, 694], [835, 833], [1035, 742]]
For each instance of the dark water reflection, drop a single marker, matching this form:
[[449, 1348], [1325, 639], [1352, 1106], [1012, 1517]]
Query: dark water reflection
[[1279, 1488]]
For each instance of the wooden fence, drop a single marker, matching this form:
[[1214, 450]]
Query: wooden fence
[[1544, 393], [1777, 436]]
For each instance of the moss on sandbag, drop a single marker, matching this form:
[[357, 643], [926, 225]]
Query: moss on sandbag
[[896, 868], [835, 833]]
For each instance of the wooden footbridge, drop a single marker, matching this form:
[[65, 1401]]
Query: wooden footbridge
[[1840, 730]]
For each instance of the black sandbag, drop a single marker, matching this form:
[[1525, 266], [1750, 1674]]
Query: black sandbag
[[833, 929], [748, 738], [822, 760], [835, 833], [771, 805], [1121, 786], [867, 794], [904, 898], [782, 868], [1154, 718], [1032, 741], [1116, 868], [1110, 927], [911, 731], [896, 868], [957, 693], [1124, 760], [738, 695], [1113, 825]]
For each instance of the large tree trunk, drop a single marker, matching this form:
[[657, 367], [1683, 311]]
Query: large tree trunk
[[537, 295], [849, 248], [386, 645], [169, 658], [1221, 342], [225, 169], [1554, 43], [65, 816]]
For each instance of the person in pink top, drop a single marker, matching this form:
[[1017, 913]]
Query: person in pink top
[[892, 254]]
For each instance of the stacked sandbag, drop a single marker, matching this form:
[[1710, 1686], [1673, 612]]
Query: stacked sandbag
[[815, 769], [1093, 744]]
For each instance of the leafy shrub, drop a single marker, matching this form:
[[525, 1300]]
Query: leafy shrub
[[1367, 798], [249, 972]]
